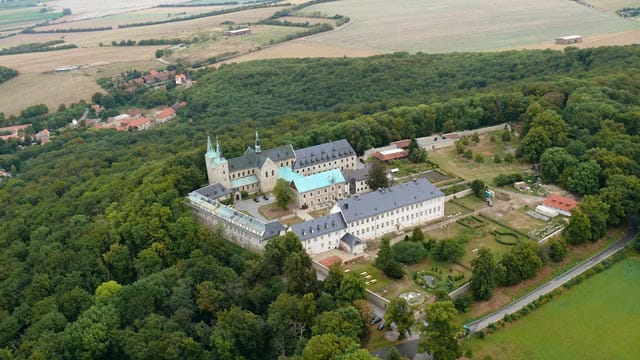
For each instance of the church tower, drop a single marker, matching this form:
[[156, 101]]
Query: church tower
[[257, 147], [217, 165]]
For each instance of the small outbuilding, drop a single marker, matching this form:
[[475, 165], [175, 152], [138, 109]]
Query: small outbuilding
[[570, 39]]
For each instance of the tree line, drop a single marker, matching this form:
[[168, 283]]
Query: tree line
[[102, 259]]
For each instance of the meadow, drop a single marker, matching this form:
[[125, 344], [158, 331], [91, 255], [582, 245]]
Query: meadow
[[463, 25], [593, 320]]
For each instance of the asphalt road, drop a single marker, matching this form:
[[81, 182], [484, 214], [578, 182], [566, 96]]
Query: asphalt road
[[555, 283], [409, 348]]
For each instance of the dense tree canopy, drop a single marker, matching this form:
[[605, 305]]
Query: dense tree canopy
[[101, 259]]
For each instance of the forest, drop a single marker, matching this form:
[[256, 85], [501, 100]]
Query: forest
[[100, 258]]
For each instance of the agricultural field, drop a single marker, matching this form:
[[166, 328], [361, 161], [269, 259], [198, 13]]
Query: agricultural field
[[600, 324], [613, 5], [451, 162], [37, 77], [463, 25], [11, 18]]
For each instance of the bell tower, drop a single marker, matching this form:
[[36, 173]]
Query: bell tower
[[257, 145], [217, 165]]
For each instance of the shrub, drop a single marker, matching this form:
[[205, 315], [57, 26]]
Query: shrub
[[408, 252], [463, 304]]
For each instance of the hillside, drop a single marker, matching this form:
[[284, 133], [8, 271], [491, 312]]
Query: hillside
[[101, 259]]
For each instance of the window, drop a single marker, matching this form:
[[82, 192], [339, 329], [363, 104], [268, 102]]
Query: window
[[266, 174]]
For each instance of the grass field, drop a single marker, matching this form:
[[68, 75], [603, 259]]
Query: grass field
[[594, 320], [13, 18], [452, 163], [463, 25]]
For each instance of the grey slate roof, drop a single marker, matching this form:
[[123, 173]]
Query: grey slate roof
[[214, 191], [272, 230], [351, 240], [383, 200], [358, 174], [318, 154], [251, 160], [320, 226]]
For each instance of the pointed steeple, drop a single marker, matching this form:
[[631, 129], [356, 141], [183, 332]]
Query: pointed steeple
[[257, 147], [218, 151], [210, 153]]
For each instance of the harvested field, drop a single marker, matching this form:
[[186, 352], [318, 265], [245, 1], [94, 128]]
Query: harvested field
[[301, 48], [462, 25], [613, 5], [43, 86], [84, 9], [181, 29]]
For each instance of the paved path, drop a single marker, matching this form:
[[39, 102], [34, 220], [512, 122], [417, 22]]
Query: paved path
[[554, 283], [409, 348]]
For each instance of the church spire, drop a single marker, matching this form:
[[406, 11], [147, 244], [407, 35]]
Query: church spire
[[218, 151], [257, 147], [210, 152]]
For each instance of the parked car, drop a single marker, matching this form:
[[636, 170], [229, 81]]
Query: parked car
[[376, 319], [256, 199], [380, 326], [265, 197]]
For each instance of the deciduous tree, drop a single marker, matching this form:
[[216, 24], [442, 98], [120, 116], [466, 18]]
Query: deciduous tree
[[439, 338], [400, 313], [486, 273]]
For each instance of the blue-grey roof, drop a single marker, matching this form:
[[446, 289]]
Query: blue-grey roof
[[214, 191], [244, 181], [358, 174], [351, 240], [272, 230], [251, 160], [383, 200], [322, 153], [320, 226]]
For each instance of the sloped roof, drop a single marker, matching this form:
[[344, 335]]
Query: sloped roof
[[351, 240], [560, 202], [312, 182], [320, 226], [358, 174], [166, 113], [213, 191], [250, 159], [383, 200], [318, 154]]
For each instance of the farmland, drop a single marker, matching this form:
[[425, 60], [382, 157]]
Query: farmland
[[613, 5], [463, 25], [599, 326]]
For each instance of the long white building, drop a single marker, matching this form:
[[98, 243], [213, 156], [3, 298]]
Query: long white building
[[372, 215]]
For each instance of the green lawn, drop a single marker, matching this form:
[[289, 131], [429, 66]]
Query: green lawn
[[25, 17], [597, 319]]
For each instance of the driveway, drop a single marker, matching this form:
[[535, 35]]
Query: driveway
[[252, 207]]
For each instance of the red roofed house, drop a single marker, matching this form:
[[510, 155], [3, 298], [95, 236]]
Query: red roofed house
[[165, 115], [402, 144], [181, 79], [14, 132], [149, 79], [392, 154], [43, 136], [563, 205], [141, 123]]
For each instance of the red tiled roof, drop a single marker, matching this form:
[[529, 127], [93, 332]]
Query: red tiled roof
[[165, 113], [402, 143], [451, 136], [335, 259], [560, 202]]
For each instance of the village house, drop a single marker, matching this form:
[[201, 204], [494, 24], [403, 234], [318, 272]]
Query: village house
[[13, 132], [165, 115], [42, 136]]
